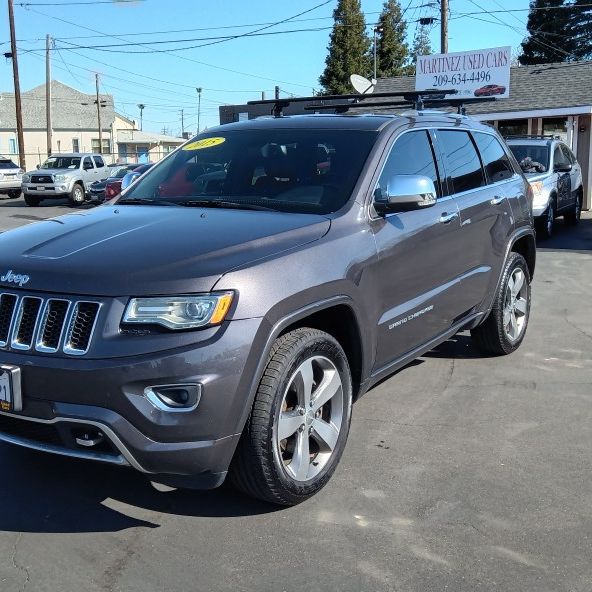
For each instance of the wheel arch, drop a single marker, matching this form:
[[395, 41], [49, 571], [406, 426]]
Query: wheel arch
[[525, 245]]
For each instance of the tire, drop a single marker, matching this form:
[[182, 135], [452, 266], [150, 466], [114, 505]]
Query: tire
[[496, 335], [14, 194], [546, 223], [573, 217], [268, 468], [32, 200], [76, 196]]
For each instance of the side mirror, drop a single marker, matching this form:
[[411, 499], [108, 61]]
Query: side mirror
[[405, 193], [38, 166], [563, 167]]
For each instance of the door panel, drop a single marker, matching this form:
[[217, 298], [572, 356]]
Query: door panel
[[418, 279]]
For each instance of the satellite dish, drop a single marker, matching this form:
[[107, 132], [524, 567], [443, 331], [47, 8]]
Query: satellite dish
[[362, 85]]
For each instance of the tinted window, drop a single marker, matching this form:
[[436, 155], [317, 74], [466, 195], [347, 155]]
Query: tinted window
[[99, 162], [497, 164], [559, 157], [411, 155], [463, 166], [300, 170], [87, 163], [5, 163], [568, 154]]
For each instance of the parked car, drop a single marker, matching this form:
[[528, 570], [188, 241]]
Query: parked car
[[98, 190], [490, 90], [227, 327], [10, 178], [131, 176], [556, 179], [64, 175]]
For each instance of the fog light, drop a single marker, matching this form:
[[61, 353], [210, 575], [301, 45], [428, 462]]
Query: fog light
[[174, 397]]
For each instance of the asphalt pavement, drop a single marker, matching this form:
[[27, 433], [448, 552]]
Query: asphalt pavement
[[461, 473]]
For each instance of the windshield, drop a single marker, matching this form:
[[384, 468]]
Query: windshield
[[5, 163], [533, 158], [309, 171], [120, 173], [61, 162]]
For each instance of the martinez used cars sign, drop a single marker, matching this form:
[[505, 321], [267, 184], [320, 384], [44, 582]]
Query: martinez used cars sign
[[478, 73]]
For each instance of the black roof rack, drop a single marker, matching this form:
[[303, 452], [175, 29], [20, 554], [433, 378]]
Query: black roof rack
[[417, 99], [532, 137]]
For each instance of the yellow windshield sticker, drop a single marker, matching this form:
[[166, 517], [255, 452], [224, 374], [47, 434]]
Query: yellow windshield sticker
[[205, 143]]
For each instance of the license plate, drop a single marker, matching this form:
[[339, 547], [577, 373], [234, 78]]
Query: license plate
[[10, 388], [40, 188]]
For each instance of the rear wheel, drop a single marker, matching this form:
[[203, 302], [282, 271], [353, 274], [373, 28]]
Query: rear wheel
[[77, 196], [299, 422], [32, 200], [505, 327], [573, 216], [14, 193], [546, 223]]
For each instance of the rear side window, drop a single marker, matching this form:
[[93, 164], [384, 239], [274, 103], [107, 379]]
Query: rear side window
[[411, 154], [463, 166], [495, 161], [99, 162]]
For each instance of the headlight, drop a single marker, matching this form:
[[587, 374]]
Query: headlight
[[179, 312], [537, 188], [59, 178], [26, 178]]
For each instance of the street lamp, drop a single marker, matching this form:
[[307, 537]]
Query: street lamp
[[198, 89], [141, 107], [377, 30]]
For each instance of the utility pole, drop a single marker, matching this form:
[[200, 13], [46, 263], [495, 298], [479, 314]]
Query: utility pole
[[198, 89], [48, 95], [376, 31], [99, 116], [277, 92], [444, 26], [182, 125], [17, 89]]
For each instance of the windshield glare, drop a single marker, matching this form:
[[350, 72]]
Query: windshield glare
[[61, 162], [310, 171], [531, 157]]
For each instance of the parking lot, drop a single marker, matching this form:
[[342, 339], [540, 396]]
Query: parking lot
[[461, 473]]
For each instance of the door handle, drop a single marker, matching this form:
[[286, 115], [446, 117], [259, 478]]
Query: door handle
[[496, 201], [446, 218]]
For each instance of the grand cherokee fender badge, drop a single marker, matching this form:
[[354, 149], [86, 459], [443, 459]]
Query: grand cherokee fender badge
[[13, 278]]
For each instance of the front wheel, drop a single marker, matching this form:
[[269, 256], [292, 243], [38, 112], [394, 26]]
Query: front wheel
[[504, 329], [299, 422], [546, 223], [32, 200], [14, 193], [76, 196]]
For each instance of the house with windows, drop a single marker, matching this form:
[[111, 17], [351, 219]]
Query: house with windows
[[549, 99], [75, 128]]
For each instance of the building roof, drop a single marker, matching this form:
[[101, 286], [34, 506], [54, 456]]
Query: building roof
[[72, 109], [138, 137], [532, 88]]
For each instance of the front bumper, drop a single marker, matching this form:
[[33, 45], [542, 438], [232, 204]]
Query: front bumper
[[63, 396], [47, 189]]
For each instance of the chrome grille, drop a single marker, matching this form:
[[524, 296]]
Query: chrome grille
[[47, 325]]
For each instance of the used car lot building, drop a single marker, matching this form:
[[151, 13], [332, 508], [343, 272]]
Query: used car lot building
[[550, 99]]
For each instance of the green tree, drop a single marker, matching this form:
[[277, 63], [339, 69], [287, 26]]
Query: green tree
[[581, 28], [421, 46], [391, 49], [549, 38], [349, 47]]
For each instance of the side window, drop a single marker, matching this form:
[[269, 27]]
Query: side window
[[99, 163], [87, 164], [411, 154], [495, 160], [568, 154], [558, 157], [463, 166]]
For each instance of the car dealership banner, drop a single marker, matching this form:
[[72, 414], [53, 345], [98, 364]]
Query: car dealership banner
[[474, 74]]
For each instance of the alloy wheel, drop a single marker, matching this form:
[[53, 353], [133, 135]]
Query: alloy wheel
[[515, 305], [310, 418], [550, 219]]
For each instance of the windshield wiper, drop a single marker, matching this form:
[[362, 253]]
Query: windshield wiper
[[219, 203], [144, 201]]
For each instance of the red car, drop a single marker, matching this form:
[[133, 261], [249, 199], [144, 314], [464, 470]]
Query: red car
[[490, 90]]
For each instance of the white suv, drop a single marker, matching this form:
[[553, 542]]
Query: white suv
[[10, 178], [64, 175]]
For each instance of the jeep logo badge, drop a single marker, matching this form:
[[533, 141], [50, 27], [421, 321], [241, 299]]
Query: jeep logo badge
[[11, 277]]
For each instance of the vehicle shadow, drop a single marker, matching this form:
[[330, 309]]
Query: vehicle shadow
[[571, 238], [43, 493]]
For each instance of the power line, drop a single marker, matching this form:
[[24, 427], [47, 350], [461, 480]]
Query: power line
[[74, 3]]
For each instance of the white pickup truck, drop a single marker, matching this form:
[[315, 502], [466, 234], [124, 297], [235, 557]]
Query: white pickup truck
[[64, 175]]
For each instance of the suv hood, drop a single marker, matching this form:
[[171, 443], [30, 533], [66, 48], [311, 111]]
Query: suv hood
[[141, 250], [51, 171]]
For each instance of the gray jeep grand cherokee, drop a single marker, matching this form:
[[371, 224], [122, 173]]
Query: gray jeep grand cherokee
[[222, 315]]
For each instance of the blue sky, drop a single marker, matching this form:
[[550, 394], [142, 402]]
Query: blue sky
[[229, 72]]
